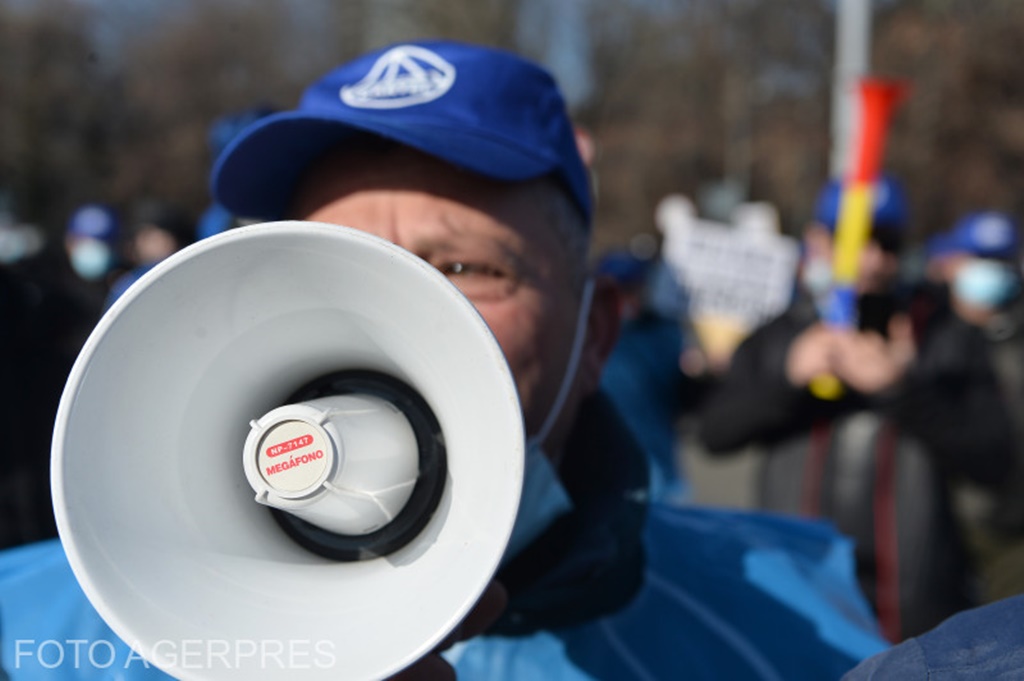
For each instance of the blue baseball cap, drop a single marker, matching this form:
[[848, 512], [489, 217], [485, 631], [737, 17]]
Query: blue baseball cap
[[986, 234], [94, 221], [890, 205], [484, 110]]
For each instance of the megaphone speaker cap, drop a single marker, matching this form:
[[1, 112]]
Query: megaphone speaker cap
[[157, 518]]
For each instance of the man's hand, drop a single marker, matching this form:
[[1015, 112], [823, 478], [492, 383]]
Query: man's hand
[[862, 360], [810, 354], [869, 363], [487, 610]]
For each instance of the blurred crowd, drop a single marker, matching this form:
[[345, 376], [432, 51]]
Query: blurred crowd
[[52, 295], [919, 456]]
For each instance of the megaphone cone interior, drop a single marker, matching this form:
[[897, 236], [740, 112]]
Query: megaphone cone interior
[[154, 507]]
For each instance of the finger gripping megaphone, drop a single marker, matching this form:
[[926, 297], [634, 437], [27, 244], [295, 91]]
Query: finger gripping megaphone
[[292, 450]]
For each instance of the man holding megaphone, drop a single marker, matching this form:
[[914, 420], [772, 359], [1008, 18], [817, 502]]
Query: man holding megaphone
[[465, 157]]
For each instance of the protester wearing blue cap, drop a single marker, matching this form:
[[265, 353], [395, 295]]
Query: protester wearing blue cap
[[978, 263], [978, 259], [91, 244], [914, 409], [889, 209], [91, 240], [466, 156]]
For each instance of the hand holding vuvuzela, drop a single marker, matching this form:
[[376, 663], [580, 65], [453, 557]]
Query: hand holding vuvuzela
[[878, 99]]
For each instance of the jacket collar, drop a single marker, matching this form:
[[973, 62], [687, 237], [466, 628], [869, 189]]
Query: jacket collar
[[590, 561]]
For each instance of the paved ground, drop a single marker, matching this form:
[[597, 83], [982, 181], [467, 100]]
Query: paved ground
[[729, 482], [717, 481]]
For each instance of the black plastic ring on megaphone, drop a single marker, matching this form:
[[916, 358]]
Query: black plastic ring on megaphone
[[426, 494]]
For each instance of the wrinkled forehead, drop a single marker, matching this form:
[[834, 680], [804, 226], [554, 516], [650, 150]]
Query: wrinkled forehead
[[380, 165]]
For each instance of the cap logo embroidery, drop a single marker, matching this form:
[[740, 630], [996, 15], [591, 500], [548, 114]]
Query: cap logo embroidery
[[402, 76]]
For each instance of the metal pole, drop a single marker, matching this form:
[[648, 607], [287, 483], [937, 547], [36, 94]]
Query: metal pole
[[852, 57]]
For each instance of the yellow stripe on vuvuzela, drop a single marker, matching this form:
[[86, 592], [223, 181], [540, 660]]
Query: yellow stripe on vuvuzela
[[852, 231]]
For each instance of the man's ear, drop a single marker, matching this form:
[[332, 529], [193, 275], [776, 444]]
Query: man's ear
[[603, 326]]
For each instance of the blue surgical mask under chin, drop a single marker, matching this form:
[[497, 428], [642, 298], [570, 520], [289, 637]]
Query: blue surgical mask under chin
[[90, 259], [985, 284], [544, 498]]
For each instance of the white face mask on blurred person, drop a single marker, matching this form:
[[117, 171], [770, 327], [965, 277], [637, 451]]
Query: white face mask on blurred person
[[544, 498], [816, 277], [985, 284], [90, 258]]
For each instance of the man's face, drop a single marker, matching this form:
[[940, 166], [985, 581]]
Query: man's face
[[946, 267], [877, 268], [494, 241]]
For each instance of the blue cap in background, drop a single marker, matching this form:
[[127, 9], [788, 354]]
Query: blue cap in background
[[986, 234], [481, 109], [94, 221], [890, 205], [623, 267]]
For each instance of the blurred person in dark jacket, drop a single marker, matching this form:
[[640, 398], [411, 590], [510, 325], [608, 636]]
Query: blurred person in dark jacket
[[642, 376], [976, 268], [50, 298], [917, 408], [91, 241], [28, 358]]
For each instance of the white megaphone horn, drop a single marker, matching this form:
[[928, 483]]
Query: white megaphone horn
[[292, 450]]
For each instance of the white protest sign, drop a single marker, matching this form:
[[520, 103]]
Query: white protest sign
[[742, 272]]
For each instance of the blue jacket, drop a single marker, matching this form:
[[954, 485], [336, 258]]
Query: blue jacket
[[643, 379], [623, 589], [615, 589], [725, 595], [49, 630], [984, 643]]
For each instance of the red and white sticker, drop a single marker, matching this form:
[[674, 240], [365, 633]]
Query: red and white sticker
[[294, 456]]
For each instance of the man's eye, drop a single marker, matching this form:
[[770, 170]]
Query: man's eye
[[466, 269], [479, 281]]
